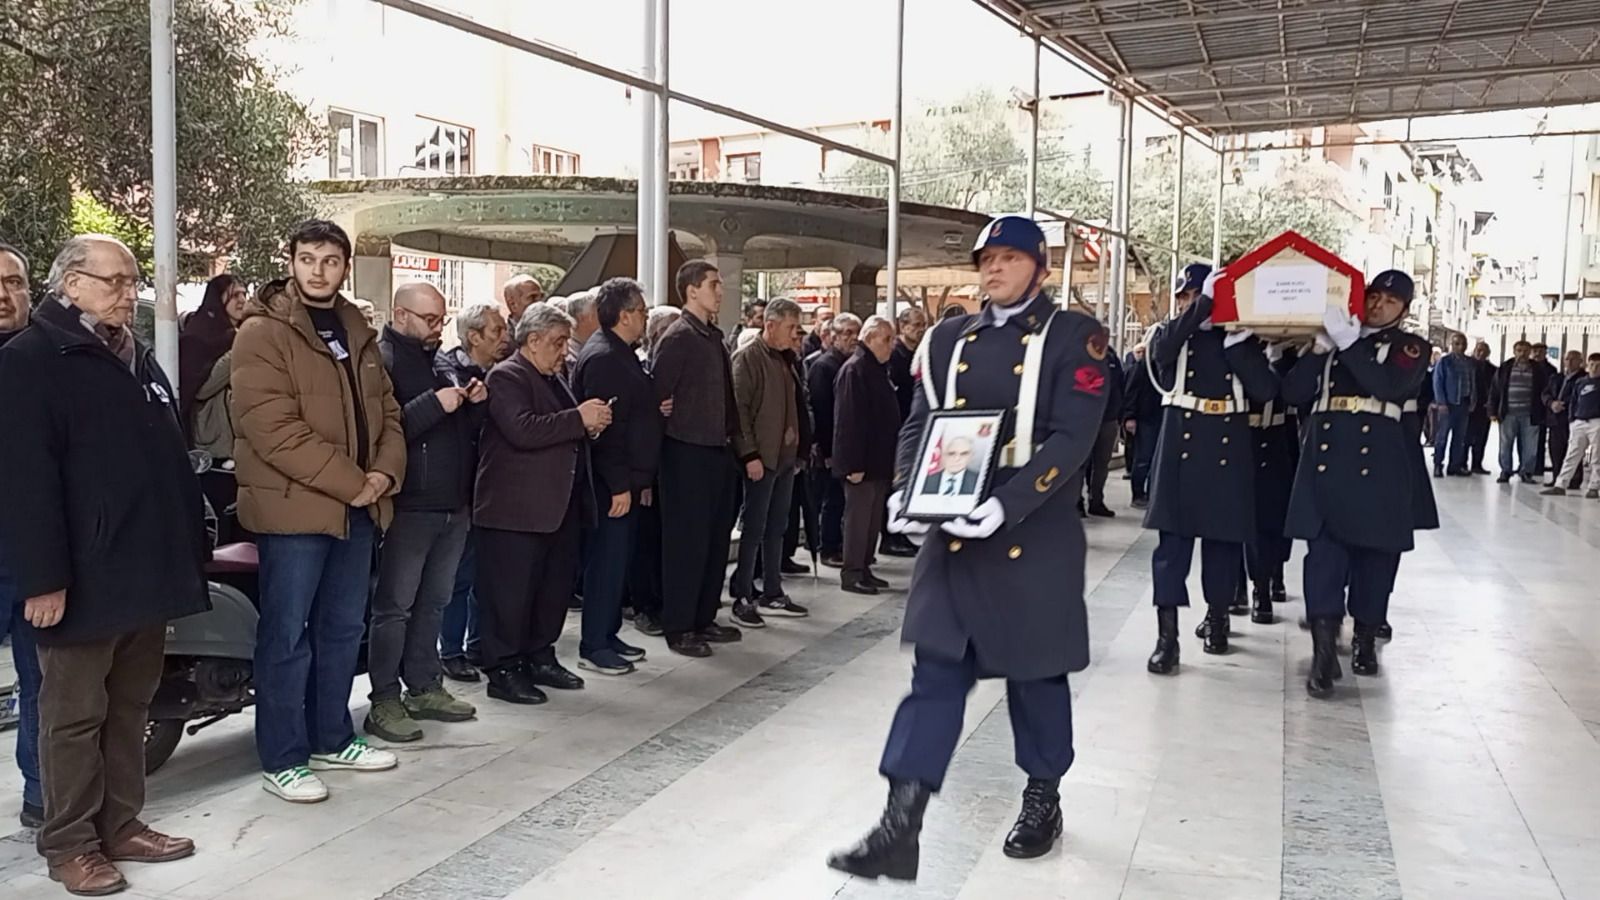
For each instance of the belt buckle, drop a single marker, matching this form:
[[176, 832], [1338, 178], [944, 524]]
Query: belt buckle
[[1344, 404], [1213, 407]]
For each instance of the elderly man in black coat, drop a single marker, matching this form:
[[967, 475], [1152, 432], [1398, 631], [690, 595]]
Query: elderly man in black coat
[[1203, 486], [105, 525], [866, 425]]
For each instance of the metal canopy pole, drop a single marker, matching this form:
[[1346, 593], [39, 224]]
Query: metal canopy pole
[[1033, 136], [898, 126], [659, 206], [1119, 268], [1216, 233], [1177, 214], [1566, 224], [646, 266], [164, 183]]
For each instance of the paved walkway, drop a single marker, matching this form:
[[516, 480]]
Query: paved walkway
[[1467, 770]]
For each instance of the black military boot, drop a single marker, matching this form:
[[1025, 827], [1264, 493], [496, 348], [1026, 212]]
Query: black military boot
[[1261, 614], [1324, 658], [1039, 823], [890, 850], [1364, 650], [1217, 635], [1385, 632], [1280, 594], [1165, 660], [1241, 601]]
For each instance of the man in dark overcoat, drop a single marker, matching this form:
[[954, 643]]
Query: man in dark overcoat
[[997, 593], [1203, 484], [1355, 499]]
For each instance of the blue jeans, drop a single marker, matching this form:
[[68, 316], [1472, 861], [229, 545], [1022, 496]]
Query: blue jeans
[[458, 628], [1451, 429], [605, 574], [766, 514], [313, 613], [1520, 431], [26, 657]]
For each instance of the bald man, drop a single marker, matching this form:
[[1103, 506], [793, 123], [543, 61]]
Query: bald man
[[520, 292], [417, 571]]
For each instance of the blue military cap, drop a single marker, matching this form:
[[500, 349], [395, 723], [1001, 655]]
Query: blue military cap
[[1018, 232], [1396, 283], [1193, 278]]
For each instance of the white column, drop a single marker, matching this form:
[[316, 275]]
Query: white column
[[660, 207], [164, 183], [731, 267], [898, 127], [646, 266]]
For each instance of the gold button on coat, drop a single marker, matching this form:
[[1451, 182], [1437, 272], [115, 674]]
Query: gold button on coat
[[1366, 428], [1186, 435], [1014, 552], [961, 402], [963, 367], [955, 546], [1363, 471], [1222, 462], [971, 338], [1025, 339], [1322, 468], [1184, 455], [1225, 440], [1364, 451], [1324, 448], [1016, 369]]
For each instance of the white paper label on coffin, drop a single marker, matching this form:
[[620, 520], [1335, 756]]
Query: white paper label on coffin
[[1293, 290]]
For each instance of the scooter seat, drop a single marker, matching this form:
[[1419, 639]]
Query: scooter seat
[[234, 559]]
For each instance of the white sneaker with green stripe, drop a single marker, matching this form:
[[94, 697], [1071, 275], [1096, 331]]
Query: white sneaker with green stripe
[[296, 784], [356, 757]]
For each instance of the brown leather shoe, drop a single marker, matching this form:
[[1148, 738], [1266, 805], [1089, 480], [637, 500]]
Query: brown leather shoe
[[150, 846], [89, 875]]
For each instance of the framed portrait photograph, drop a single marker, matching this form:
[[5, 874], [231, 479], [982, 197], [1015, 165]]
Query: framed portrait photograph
[[955, 464]]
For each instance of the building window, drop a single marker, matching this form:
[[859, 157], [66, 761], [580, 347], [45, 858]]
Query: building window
[[550, 161], [355, 145], [444, 149], [684, 172], [745, 167]]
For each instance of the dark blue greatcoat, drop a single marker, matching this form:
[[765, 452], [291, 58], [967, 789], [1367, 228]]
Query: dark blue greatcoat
[[1276, 451], [1016, 597], [1203, 481], [1360, 472]]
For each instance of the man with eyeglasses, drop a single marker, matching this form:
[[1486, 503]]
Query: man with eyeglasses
[[320, 452], [421, 549], [103, 526]]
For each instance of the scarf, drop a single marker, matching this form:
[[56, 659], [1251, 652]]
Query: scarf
[[118, 340]]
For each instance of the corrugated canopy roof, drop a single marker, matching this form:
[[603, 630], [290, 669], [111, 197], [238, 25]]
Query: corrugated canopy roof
[[1229, 66]]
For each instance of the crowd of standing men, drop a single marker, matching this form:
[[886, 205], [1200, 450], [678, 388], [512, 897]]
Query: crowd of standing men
[[445, 507]]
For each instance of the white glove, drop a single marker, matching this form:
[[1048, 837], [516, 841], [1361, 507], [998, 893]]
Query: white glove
[[1274, 352], [1342, 328], [1237, 337], [1322, 343], [908, 527], [978, 524], [1210, 287]]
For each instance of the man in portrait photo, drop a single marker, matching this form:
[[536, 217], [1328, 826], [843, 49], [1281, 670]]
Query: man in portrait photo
[[953, 479]]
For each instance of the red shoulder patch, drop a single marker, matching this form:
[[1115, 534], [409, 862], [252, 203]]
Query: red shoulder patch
[[1089, 380]]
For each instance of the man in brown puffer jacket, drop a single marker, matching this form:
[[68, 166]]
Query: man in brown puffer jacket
[[319, 450]]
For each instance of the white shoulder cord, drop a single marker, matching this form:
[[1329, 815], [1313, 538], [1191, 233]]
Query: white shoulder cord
[[924, 371], [1028, 396]]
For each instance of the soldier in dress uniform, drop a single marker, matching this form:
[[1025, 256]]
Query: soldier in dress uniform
[[997, 593], [1358, 490], [1203, 485], [1277, 449]]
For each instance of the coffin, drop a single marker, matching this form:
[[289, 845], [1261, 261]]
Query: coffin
[[1284, 287]]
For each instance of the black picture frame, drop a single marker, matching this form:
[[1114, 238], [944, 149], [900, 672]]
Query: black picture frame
[[926, 496]]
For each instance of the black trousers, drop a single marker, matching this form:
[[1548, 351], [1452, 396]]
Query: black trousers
[[524, 583], [1220, 563], [697, 498], [1099, 465], [1333, 568], [1477, 436], [1560, 439], [644, 571], [1264, 557]]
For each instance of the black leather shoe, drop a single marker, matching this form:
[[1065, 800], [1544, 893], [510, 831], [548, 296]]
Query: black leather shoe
[[833, 560], [1324, 658], [898, 545], [456, 668], [1261, 609], [720, 634], [1364, 650], [1217, 635], [32, 816], [511, 684], [647, 625], [1241, 600], [859, 587], [790, 567], [554, 675], [1439, 472], [1480, 470], [1164, 661], [1101, 511], [1039, 823], [1204, 628], [688, 645], [874, 580], [1280, 594], [1385, 632], [890, 850]]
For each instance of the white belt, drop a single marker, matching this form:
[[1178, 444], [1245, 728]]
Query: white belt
[[1268, 420], [1360, 405], [1203, 405]]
